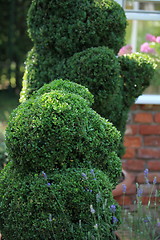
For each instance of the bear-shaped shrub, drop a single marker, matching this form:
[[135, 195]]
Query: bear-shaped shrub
[[79, 41], [62, 170]]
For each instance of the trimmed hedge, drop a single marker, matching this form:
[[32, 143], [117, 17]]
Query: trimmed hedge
[[97, 69], [137, 70], [59, 205], [72, 26], [60, 30], [68, 87], [58, 130]]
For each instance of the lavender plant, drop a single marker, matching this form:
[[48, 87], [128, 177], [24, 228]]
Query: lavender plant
[[144, 221]]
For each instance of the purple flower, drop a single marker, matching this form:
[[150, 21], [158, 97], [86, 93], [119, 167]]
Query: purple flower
[[92, 172], [147, 219], [113, 208], [158, 39], [50, 217], [92, 209], [146, 172], [124, 188], [48, 184], [150, 37], [139, 192], [84, 175], [44, 175], [125, 50], [147, 49], [114, 220], [155, 180]]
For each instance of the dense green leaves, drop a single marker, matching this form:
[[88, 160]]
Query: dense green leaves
[[58, 130], [57, 205], [137, 70]]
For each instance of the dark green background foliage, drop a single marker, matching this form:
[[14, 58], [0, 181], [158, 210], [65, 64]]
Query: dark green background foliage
[[58, 130], [34, 207], [14, 41]]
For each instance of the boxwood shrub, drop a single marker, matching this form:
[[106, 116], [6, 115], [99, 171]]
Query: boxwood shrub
[[59, 130], [65, 28], [59, 30], [68, 204]]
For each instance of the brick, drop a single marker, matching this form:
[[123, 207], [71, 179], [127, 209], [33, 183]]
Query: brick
[[132, 141], [131, 129], [153, 200], [134, 107], [123, 200], [134, 165], [157, 117], [149, 129], [143, 117], [131, 190], [152, 140], [154, 165], [130, 153], [141, 179], [148, 189], [150, 107], [148, 153]]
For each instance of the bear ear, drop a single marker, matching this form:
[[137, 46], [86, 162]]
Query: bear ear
[[137, 71]]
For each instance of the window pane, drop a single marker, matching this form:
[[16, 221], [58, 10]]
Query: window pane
[[142, 5]]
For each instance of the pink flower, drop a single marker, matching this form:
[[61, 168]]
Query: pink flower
[[125, 50], [158, 39], [150, 37], [147, 49]]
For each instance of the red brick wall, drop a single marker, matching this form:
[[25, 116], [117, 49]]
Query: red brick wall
[[142, 142]]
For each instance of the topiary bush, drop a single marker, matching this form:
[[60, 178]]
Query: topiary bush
[[58, 129], [55, 130], [65, 204], [62, 170], [79, 41], [67, 28]]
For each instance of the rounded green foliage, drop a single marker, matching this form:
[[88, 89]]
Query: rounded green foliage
[[39, 69], [69, 204], [59, 130], [137, 70], [66, 86], [67, 27], [97, 69]]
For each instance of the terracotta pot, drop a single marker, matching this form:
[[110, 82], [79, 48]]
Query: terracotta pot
[[128, 179]]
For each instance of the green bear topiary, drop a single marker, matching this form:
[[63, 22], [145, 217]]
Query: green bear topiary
[[67, 28], [79, 41], [55, 130], [62, 170]]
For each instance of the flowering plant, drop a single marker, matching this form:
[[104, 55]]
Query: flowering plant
[[151, 47], [143, 221]]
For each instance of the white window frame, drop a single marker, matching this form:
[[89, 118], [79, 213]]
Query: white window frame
[[149, 16]]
